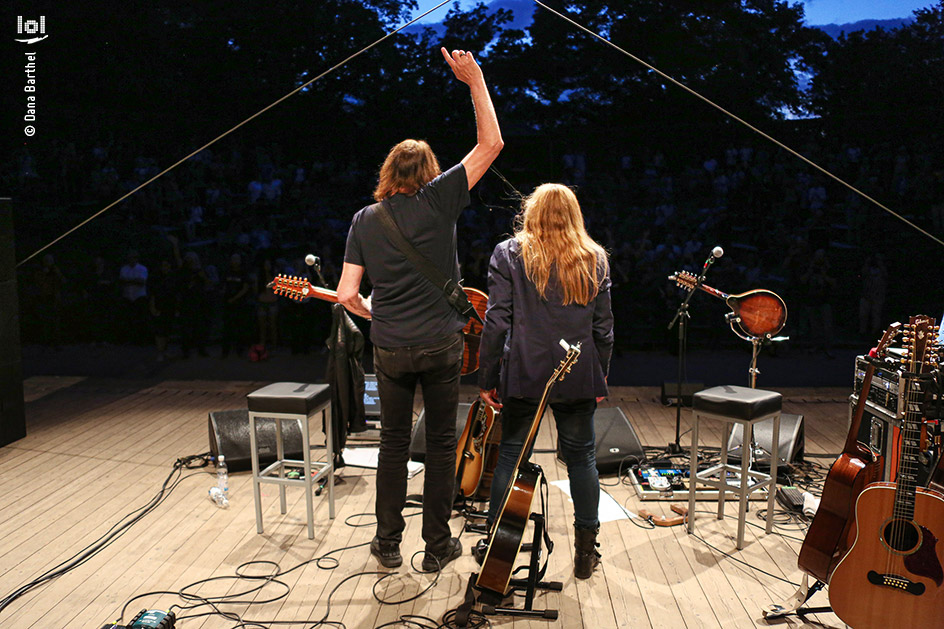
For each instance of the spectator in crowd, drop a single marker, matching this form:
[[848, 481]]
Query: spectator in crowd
[[133, 281], [163, 290], [48, 284], [236, 290], [872, 299], [100, 293], [194, 306]]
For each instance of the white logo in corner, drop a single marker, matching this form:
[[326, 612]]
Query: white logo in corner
[[31, 27]]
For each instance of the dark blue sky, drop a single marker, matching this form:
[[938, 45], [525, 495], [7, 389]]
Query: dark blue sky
[[817, 11]]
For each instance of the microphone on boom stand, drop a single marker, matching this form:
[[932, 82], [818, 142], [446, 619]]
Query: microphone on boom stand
[[315, 263], [682, 316]]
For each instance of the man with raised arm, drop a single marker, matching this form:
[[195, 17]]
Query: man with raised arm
[[416, 333]]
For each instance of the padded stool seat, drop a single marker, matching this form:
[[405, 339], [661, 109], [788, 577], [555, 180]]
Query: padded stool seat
[[292, 401], [290, 398], [742, 406]]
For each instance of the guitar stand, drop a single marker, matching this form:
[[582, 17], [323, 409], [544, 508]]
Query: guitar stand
[[795, 604], [528, 586]]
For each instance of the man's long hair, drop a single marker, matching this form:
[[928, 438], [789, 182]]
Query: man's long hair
[[553, 240], [409, 166]]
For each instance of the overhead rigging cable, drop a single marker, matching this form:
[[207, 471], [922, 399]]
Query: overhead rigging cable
[[742, 121], [226, 133]]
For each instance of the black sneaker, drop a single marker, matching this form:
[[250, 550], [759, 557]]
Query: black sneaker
[[388, 553], [453, 550]]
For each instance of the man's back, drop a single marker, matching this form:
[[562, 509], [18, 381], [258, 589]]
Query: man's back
[[407, 309]]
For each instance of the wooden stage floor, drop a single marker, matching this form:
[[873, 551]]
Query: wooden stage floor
[[98, 449]]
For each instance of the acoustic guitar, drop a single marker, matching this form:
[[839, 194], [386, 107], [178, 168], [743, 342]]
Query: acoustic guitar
[[833, 528], [893, 576], [300, 289], [470, 453], [758, 312], [508, 530]]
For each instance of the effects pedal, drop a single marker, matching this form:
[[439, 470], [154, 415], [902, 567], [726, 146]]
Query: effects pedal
[[147, 619], [790, 498]]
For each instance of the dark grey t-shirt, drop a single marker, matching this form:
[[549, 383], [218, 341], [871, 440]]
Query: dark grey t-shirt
[[407, 310]]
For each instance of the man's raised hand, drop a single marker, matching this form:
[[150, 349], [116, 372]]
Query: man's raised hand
[[464, 66]]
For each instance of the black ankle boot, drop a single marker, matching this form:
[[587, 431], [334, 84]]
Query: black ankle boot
[[586, 556]]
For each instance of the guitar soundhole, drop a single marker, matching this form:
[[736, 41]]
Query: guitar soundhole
[[901, 536]]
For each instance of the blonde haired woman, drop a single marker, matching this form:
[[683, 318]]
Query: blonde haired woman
[[550, 281]]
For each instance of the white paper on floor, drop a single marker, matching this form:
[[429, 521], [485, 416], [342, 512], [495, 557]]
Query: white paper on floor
[[367, 457], [609, 509]]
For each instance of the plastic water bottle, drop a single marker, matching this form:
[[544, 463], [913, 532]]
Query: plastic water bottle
[[218, 498], [220, 494], [222, 476]]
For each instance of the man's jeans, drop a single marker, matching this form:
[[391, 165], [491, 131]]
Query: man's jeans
[[577, 443], [436, 367]]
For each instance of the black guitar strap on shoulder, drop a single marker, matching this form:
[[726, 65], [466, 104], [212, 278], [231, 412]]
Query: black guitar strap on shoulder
[[451, 289]]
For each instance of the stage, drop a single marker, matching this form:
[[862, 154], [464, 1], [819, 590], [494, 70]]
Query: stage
[[99, 448]]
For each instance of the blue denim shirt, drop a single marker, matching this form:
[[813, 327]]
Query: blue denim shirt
[[520, 343]]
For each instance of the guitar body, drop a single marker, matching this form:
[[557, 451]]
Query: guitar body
[[858, 591], [832, 531], [508, 532], [470, 454], [761, 312], [492, 446]]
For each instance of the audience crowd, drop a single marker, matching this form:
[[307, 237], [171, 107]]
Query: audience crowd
[[183, 263]]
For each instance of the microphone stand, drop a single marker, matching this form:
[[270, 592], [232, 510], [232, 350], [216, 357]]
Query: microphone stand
[[682, 317]]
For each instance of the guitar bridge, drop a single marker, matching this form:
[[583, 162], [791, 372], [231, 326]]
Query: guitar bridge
[[897, 582]]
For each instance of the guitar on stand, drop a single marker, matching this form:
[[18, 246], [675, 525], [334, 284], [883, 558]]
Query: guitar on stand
[[494, 581], [300, 289], [832, 530], [893, 576], [470, 453]]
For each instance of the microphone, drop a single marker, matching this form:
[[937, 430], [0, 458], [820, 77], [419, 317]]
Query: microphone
[[716, 253], [315, 262]]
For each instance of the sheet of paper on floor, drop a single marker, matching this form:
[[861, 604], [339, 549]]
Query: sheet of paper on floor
[[609, 509], [367, 457]]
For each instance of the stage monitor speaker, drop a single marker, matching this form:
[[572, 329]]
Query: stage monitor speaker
[[229, 436], [418, 440], [790, 449], [12, 407], [616, 441], [670, 392]]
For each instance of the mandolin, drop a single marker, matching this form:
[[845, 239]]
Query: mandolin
[[759, 312], [508, 529], [470, 453], [893, 576], [300, 289], [832, 531]]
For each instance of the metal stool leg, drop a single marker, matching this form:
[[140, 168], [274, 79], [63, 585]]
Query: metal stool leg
[[774, 461], [744, 488], [254, 456], [723, 485], [693, 474], [327, 418], [280, 455], [306, 456]]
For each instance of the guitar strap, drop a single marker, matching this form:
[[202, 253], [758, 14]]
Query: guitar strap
[[451, 289]]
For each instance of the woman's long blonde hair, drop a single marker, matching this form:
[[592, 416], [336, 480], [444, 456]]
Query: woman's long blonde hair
[[554, 240]]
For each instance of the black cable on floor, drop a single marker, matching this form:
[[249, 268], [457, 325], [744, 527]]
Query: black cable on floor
[[195, 461]]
